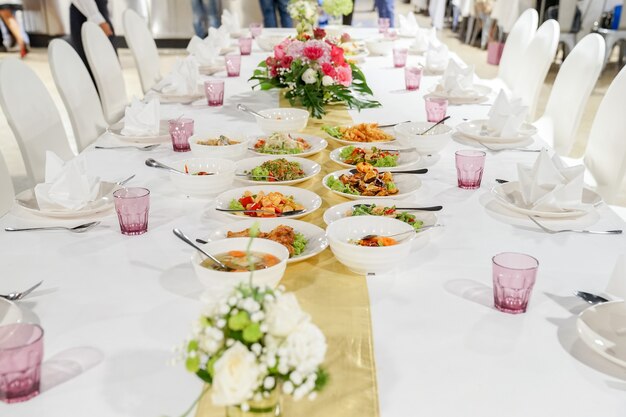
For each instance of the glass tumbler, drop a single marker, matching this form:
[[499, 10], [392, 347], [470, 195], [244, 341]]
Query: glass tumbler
[[399, 57], [436, 108], [514, 276], [214, 90], [383, 24], [412, 78], [256, 29], [132, 206], [233, 65], [469, 168], [245, 45], [181, 130], [21, 352]]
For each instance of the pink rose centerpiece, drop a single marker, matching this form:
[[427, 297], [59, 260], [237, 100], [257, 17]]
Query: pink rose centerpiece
[[315, 72]]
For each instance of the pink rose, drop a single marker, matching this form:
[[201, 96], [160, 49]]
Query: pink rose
[[344, 75]]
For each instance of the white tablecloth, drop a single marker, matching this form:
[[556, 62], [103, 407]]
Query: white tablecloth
[[441, 348]]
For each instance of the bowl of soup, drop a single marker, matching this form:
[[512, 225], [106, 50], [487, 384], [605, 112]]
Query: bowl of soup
[[203, 177], [218, 145], [269, 259]]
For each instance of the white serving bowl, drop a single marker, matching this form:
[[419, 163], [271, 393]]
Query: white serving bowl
[[379, 46], [234, 152], [268, 42], [203, 185], [282, 120], [364, 260], [408, 134], [220, 282]]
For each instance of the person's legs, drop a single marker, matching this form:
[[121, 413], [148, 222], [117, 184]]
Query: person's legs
[[199, 18], [285, 18], [14, 28], [213, 9], [269, 13], [385, 10], [104, 11]]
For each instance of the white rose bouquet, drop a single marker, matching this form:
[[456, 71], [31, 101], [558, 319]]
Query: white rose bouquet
[[304, 12], [253, 342]]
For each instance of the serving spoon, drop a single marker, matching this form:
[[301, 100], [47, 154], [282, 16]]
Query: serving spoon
[[367, 237], [433, 208], [139, 148], [411, 171], [156, 164], [81, 228], [179, 234], [250, 111], [433, 126]]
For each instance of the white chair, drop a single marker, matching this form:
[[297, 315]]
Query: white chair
[[143, 48], [106, 70], [615, 37], [535, 64], [78, 93], [7, 192], [516, 44], [571, 90], [32, 116]]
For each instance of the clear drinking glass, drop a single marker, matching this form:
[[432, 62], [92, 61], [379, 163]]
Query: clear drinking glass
[[214, 90], [132, 206], [469, 168], [399, 57], [412, 78], [21, 352], [181, 130], [256, 29], [436, 108], [245, 45], [514, 276], [233, 65], [383, 24]]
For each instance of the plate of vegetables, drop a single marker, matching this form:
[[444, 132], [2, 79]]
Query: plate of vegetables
[[268, 201], [359, 134], [276, 170], [303, 240], [369, 182], [280, 143], [376, 155]]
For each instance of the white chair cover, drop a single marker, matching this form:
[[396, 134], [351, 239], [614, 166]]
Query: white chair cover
[[7, 192], [515, 47], [143, 48]]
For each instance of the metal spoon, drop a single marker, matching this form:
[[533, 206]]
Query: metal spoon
[[435, 125], [16, 296], [249, 110], [81, 228], [590, 298], [139, 148], [286, 214], [123, 182], [393, 124], [179, 234], [366, 237], [156, 164], [433, 208], [412, 171]]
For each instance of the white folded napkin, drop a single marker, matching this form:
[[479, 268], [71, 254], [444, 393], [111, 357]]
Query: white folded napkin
[[67, 184], [424, 38], [457, 81], [550, 186], [232, 21], [142, 119], [506, 116], [408, 25], [219, 37], [183, 79], [437, 57], [206, 52]]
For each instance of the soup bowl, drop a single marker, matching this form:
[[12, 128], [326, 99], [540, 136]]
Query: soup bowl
[[409, 134], [221, 282]]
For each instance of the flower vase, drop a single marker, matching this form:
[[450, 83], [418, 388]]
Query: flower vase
[[267, 407]]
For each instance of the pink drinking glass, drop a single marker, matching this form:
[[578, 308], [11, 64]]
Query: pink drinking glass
[[412, 78], [21, 351], [436, 108], [132, 206], [233, 65], [256, 29], [383, 24], [514, 276], [214, 90], [245, 45], [469, 168], [180, 131], [399, 57]]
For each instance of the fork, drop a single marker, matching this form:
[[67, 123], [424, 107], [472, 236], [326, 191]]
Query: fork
[[489, 148], [594, 232], [139, 148], [16, 296], [81, 228]]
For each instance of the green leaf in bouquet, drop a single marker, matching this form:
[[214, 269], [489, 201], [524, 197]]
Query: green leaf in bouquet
[[204, 375], [252, 333], [322, 379], [239, 321]]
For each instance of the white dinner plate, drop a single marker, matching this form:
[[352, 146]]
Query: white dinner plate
[[509, 195], [407, 184], [317, 145], [164, 133], [104, 201], [315, 236], [477, 94], [349, 142], [405, 159], [306, 198], [339, 211], [474, 128], [603, 328], [309, 167], [181, 99], [10, 313], [495, 146]]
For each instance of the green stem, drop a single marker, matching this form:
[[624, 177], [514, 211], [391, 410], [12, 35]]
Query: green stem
[[190, 409]]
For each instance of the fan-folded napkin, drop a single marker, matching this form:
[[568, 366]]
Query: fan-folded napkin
[[424, 38], [67, 184], [506, 116], [205, 51], [408, 25], [232, 21], [142, 119], [456, 80], [437, 57], [183, 79]]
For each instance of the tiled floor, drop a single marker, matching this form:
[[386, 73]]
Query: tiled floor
[[38, 61]]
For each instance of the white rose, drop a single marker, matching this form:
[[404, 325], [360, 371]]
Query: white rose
[[309, 76], [327, 80], [305, 348], [236, 376], [284, 314]]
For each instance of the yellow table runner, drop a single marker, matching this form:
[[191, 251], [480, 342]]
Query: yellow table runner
[[338, 302]]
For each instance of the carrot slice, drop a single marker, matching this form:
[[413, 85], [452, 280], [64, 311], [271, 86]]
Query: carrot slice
[[237, 253]]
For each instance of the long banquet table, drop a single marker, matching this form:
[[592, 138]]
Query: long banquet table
[[114, 306]]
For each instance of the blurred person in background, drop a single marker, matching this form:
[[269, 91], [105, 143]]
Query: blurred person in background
[[385, 9], [7, 8], [269, 8], [96, 11], [206, 14]]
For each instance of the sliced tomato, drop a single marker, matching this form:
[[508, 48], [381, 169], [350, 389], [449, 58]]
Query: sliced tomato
[[246, 200]]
